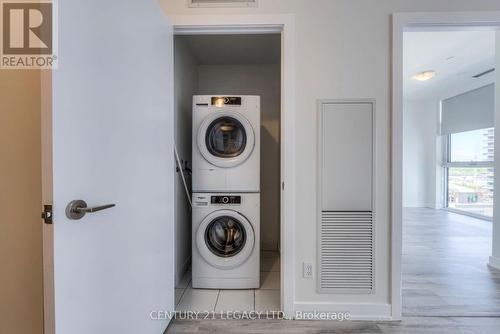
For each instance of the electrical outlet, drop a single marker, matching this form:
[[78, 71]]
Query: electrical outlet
[[307, 270]]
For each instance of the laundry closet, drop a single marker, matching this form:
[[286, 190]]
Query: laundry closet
[[227, 188]]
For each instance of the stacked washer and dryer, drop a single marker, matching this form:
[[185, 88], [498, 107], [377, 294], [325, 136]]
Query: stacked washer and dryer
[[226, 192]]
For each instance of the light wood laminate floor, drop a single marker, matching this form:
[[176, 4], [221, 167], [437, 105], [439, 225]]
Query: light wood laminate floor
[[445, 265]]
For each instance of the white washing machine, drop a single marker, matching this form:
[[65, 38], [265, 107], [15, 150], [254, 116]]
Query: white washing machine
[[226, 143], [226, 242]]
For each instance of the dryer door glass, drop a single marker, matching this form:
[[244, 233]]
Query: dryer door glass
[[225, 236], [226, 137]]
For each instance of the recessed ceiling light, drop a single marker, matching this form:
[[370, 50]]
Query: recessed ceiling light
[[424, 76]]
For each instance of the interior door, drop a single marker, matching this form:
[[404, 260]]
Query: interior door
[[112, 143]]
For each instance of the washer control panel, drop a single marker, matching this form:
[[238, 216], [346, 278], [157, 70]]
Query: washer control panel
[[209, 200], [225, 199]]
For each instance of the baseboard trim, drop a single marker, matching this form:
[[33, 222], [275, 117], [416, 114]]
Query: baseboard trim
[[419, 205], [494, 262], [359, 311]]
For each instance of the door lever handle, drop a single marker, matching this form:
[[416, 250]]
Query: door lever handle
[[95, 208], [77, 209]]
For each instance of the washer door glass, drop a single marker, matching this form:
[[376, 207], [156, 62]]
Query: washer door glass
[[225, 236], [226, 137]]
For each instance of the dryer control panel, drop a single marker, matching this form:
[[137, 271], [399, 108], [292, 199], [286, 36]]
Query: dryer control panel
[[220, 101], [225, 200]]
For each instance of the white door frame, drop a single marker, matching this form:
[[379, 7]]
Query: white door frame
[[264, 24], [427, 21]]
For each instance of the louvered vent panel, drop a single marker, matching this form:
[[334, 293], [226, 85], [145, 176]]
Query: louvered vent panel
[[346, 253], [222, 3]]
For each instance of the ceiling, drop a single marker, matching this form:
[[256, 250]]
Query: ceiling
[[235, 49], [456, 56]]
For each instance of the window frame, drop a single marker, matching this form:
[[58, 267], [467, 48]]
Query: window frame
[[447, 164]]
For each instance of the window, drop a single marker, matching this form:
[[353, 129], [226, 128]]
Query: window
[[472, 146], [469, 172]]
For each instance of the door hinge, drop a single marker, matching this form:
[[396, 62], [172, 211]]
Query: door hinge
[[47, 214], [283, 185]]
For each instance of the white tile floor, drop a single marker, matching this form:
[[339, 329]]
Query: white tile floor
[[267, 298]]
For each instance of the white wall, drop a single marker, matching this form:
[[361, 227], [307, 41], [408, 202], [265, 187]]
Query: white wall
[[420, 161], [343, 50], [263, 80], [186, 83]]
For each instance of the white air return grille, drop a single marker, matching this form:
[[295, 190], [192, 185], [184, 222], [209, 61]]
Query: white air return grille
[[222, 3], [346, 252]]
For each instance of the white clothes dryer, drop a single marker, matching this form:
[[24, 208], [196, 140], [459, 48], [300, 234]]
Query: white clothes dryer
[[226, 143]]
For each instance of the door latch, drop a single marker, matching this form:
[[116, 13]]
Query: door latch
[[47, 214]]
